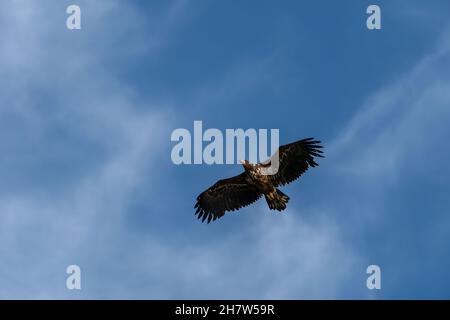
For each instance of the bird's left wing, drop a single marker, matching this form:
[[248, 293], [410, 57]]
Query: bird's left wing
[[294, 159], [225, 195]]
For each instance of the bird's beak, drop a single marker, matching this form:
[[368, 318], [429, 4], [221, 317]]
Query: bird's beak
[[242, 161]]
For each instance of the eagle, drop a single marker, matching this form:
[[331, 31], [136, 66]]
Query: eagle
[[239, 191]]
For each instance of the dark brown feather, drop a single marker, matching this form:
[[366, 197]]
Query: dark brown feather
[[294, 159], [225, 195]]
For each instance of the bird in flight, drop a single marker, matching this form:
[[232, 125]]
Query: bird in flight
[[244, 189]]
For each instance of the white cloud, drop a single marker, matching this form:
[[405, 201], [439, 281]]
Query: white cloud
[[274, 257], [391, 162], [402, 125], [51, 92]]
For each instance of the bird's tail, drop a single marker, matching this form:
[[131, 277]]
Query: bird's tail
[[277, 200]]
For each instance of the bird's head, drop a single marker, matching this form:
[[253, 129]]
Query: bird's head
[[247, 165]]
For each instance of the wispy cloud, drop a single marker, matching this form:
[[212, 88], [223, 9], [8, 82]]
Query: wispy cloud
[[75, 140], [402, 123], [391, 166]]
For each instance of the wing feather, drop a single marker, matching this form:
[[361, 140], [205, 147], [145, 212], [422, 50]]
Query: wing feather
[[295, 158], [225, 195]]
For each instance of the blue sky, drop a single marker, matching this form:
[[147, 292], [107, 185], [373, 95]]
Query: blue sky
[[86, 174]]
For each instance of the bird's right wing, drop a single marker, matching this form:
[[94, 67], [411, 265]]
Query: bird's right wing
[[225, 195]]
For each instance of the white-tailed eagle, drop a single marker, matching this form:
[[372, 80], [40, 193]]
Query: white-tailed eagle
[[242, 190]]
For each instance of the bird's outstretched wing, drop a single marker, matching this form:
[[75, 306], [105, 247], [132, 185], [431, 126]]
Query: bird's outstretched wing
[[294, 159], [225, 195]]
